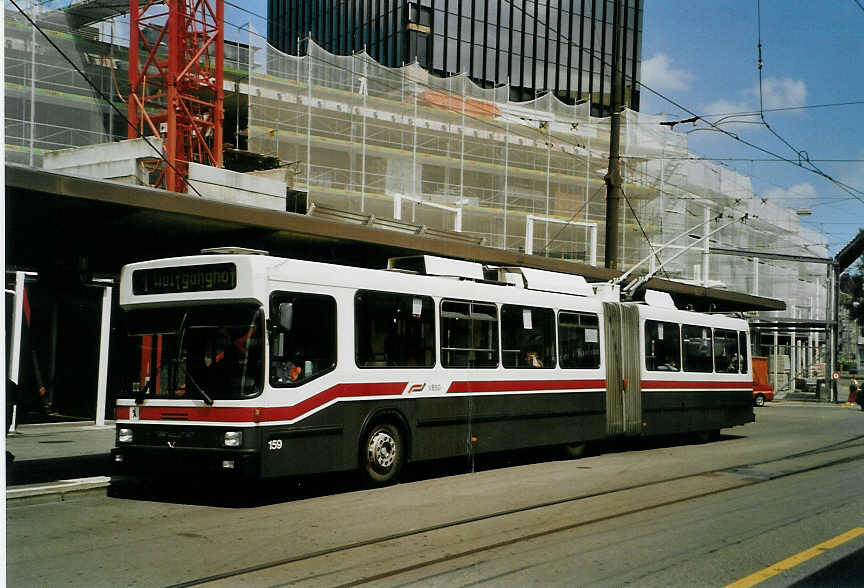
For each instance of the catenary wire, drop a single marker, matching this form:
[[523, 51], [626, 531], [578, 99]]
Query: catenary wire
[[539, 21], [811, 168], [787, 108], [252, 32]]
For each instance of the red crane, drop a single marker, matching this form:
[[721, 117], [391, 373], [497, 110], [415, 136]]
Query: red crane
[[176, 72]]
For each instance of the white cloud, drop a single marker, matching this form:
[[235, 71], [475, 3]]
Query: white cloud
[[793, 196], [776, 93], [728, 115], [658, 73], [781, 93], [721, 108]]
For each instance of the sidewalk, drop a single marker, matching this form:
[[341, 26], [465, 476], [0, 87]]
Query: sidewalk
[[58, 458]]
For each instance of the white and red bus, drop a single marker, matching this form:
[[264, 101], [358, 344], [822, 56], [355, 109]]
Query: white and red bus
[[261, 366]]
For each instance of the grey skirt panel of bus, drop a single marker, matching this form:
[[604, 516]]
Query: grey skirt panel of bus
[[623, 383]]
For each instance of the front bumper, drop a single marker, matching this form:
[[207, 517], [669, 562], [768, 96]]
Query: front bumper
[[149, 460]]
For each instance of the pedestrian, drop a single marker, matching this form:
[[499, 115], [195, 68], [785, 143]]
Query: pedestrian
[[859, 395], [853, 391]]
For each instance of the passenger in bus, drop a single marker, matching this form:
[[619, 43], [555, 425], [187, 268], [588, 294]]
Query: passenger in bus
[[670, 365], [287, 371], [734, 363], [532, 360]]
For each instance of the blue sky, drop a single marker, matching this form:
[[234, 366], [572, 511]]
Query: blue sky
[[702, 54]]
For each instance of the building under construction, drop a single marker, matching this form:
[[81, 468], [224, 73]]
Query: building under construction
[[357, 142]]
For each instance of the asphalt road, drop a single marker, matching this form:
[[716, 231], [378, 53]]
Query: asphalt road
[[787, 489]]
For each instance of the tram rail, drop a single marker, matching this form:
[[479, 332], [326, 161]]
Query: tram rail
[[702, 484]]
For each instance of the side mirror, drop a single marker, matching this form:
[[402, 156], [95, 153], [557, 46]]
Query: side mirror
[[286, 315]]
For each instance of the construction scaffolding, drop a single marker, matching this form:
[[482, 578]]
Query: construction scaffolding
[[444, 152], [401, 146], [48, 105]]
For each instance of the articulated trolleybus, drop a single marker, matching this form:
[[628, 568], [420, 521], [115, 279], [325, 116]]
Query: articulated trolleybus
[[258, 366]]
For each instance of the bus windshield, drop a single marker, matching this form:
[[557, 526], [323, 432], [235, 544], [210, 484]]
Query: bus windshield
[[202, 352]]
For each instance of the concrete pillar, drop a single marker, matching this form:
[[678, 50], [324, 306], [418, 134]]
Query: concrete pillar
[[793, 360], [14, 358], [104, 343], [14, 365], [776, 358]]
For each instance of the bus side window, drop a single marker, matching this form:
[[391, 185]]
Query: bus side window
[[303, 347], [727, 360], [744, 366], [394, 330], [697, 349], [469, 334], [662, 346], [579, 338], [527, 337]]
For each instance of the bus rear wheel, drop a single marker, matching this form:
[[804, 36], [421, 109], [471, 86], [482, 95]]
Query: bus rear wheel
[[707, 436], [382, 454], [575, 450]]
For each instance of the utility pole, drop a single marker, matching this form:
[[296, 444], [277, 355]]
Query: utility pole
[[613, 176]]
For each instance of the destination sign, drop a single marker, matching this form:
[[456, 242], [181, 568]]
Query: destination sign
[[188, 278]]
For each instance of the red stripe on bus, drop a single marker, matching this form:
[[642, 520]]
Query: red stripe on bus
[[286, 413], [252, 414], [656, 384], [523, 385]]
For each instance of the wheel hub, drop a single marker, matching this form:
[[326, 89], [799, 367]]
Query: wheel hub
[[381, 450]]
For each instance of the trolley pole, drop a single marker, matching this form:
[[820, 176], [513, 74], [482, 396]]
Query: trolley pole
[[613, 176]]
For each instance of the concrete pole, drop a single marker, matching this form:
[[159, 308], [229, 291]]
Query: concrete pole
[[14, 362], [613, 176], [776, 357], [834, 326], [793, 359]]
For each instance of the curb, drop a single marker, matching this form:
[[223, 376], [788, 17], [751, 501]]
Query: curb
[[57, 491]]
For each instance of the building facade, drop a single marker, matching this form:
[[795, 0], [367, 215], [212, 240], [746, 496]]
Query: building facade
[[562, 47]]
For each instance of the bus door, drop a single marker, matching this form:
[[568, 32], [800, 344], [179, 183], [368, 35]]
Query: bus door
[[623, 376]]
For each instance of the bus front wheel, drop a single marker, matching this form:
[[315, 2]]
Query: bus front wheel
[[382, 454]]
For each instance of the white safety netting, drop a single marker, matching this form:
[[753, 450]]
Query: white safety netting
[[49, 105], [529, 176], [446, 153]]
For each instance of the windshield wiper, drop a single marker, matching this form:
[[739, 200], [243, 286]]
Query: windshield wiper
[[204, 395], [139, 398], [182, 363]]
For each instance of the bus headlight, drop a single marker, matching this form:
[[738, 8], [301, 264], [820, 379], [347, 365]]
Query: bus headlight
[[233, 439], [124, 436]]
